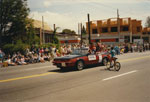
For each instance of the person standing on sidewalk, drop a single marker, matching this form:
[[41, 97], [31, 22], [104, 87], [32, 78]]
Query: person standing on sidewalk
[[2, 54]]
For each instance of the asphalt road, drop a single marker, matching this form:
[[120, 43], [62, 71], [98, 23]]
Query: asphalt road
[[45, 83]]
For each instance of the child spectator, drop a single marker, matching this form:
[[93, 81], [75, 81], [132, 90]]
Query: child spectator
[[42, 59], [9, 61], [23, 61]]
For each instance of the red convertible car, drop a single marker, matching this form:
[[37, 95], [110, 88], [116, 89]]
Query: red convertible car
[[80, 58]]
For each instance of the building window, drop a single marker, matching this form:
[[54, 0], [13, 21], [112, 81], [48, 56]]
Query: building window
[[94, 31], [136, 37], [127, 39], [97, 40], [146, 39], [138, 29], [144, 33], [125, 28], [114, 29], [104, 30], [66, 41]]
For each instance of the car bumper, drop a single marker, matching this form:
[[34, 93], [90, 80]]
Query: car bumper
[[64, 64]]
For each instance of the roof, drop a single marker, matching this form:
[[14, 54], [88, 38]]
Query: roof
[[146, 29], [61, 34], [38, 24]]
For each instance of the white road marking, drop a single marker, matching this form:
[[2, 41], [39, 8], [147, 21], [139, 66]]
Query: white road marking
[[119, 75]]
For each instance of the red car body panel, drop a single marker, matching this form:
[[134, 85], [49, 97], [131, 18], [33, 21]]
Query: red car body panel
[[90, 59]]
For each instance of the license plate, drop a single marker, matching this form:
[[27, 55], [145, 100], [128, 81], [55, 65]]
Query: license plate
[[63, 64]]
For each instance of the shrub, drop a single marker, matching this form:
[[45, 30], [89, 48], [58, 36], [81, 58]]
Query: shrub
[[18, 47]]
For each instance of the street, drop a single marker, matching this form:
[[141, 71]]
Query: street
[[43, 82]]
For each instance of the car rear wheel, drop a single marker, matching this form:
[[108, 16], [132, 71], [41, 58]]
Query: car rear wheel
[[80, 65]]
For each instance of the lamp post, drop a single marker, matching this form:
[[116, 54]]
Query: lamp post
[[43, 30]]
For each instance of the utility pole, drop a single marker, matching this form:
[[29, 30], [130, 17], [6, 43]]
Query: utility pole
[[78, 28], [40, 36], [118, 23], [54, 33], [81, 35], [89, 29], [54, 28], [131, 32], [43, 30]]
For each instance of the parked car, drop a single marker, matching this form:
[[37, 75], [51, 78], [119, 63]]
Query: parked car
[[80, 58]]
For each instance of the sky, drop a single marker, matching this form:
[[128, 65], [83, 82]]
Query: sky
[[68, 13]]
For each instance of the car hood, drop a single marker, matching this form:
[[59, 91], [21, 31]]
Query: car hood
[[67, 57]]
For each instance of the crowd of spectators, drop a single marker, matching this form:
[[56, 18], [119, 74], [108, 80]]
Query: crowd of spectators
[[30, 56], [40, 55]]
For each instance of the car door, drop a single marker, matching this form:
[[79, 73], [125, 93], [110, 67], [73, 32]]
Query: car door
[[92, 59], [99, 58]]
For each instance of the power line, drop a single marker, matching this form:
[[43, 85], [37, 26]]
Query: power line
[[114, 9]]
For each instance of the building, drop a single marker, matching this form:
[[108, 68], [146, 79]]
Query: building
[[104, 30], [48, 34], [44, 32], [146, 34], [107, 30], [69, 38]]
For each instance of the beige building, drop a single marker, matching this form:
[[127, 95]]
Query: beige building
[[45, 33], [48, 34]]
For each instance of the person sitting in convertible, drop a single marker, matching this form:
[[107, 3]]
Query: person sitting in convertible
[[92, 48], [98, 47]]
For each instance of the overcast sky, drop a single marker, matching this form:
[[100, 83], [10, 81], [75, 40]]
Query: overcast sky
[[68, 13]]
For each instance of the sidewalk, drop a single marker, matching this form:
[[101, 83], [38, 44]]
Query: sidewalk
[[30, 65]]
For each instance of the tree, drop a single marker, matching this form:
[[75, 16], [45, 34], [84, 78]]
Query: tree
[[68, 31], [147, 24], [55, 39], [83, 31], [14, 22], [55, 30], [31, 37]]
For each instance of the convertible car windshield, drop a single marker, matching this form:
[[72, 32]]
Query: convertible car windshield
[[82, 51]]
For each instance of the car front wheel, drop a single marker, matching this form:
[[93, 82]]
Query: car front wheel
[[80, 65]]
